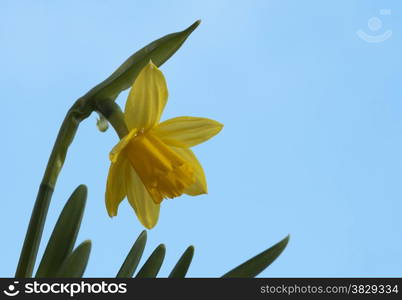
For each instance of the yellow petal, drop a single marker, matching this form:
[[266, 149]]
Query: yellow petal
[[116, 185], [147, 99], [200, 185], [114, 154], [145, 208], [187, 131]]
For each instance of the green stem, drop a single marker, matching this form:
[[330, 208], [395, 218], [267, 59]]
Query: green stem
[[81, 109], [34, 232], [113, 113]]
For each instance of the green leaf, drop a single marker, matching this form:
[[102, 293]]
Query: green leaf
[[75, 264], [181, 268], [158, 51], [153, 264], [257, 264], [64, 234], [133, 258]]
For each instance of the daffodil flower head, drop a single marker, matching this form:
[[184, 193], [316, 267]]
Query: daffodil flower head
[[154, 161]]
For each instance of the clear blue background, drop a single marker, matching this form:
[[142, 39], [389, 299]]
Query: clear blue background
[[312, 144]]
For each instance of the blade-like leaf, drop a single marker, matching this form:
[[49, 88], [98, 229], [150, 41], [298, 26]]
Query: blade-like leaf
[[158, 51], [74, 265], [181, 268], [133, 258], [257, 264], [64, 234], [153, 264]]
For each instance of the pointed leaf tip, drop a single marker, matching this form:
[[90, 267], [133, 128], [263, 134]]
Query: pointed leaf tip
[[258, 263], [181, 267], [75, 264], [193, 26], [133, 257], [153, 264]]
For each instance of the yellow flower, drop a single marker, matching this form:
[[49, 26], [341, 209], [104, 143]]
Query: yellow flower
[[154, 161]]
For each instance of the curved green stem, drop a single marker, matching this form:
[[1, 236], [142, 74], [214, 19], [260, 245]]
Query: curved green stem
[[113, 113], [81, 109]]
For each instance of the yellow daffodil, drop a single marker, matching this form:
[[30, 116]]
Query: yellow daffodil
[[154, 161]]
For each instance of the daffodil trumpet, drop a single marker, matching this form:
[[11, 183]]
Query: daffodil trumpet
[[154, 161]]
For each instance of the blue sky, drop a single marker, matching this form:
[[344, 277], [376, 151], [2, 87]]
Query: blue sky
[[312, 143]]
